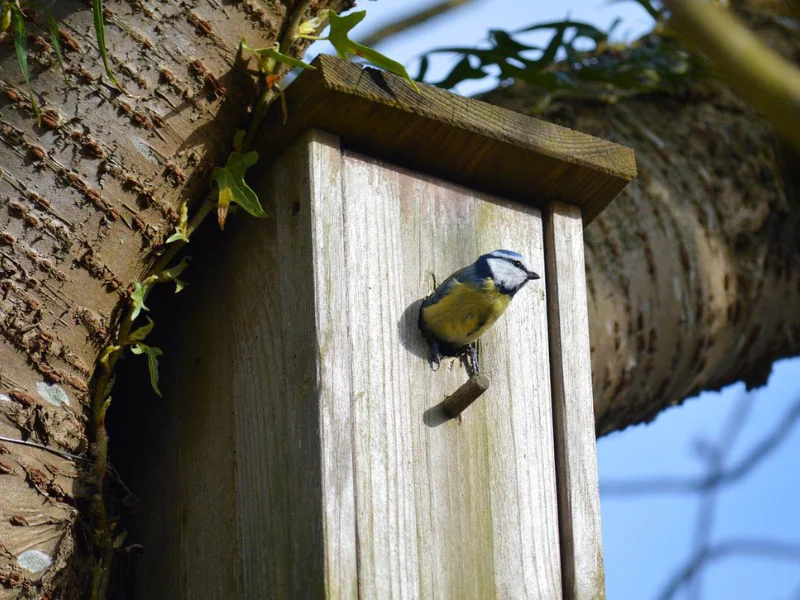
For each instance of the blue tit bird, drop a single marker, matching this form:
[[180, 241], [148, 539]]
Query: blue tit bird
[[468, 302]]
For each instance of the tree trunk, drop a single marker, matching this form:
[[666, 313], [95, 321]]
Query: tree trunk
[[85, 201], [692, 272]]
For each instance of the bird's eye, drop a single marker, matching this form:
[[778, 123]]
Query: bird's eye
[[517, 264]]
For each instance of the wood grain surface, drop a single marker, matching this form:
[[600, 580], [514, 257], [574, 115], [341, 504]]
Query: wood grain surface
[[461, 139], [314, 456], [573, 409], [445, 508]]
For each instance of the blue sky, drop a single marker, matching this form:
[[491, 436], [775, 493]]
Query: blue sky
[[647, 538]]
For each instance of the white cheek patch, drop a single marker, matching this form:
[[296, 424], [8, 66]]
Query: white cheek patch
[[507, 275]]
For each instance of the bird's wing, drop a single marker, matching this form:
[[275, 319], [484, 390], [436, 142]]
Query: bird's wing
[[445, 287]]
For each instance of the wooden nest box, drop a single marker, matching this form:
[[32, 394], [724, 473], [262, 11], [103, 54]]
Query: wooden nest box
[[308, 454]]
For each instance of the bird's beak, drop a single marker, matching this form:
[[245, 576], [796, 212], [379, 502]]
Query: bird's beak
[[532, 276]]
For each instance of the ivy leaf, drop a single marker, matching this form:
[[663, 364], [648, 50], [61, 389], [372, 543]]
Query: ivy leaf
[[138, 335], [178, 235], [137, 299], [232, 187], [273, 54], [338, 37], [5, 17], [307, 29], [182, 228], [152, 354], [119, 540], [173, 273]]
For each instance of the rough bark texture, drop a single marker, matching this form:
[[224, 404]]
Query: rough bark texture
[[85, 200], [694, 270]]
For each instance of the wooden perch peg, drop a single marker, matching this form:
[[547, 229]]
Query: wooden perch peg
[[459, 400]]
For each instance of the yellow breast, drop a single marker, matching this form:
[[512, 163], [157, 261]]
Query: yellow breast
[[463, 315]]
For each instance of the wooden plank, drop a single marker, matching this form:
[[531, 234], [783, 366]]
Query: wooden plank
[[450, 508], [333, 364], [295, 502], [573, 409], [261, 375], [467, 141]]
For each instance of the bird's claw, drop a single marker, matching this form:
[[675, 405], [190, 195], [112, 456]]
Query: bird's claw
[[473, 355]]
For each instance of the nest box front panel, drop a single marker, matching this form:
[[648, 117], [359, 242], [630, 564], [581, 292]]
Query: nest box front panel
[[445, 507]]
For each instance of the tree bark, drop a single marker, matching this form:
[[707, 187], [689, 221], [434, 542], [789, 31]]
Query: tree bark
[[693, 271], [85, 201]]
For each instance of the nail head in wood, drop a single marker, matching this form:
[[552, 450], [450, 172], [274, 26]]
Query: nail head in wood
[[459, 400]]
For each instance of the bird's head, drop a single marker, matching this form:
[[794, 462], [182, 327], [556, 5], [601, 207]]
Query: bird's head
[[509, 270]]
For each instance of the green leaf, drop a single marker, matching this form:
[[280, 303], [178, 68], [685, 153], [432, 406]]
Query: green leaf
[[232, 187], [21, 47], [119, 540], [100, 35], [307, 29], [274, 54], [178, 235], [461, 72], [138, 335], [137, 299], [152, 354], [338, 37], [5, 16], [173, 273], [181, 229], [35, 106], [54, 39]]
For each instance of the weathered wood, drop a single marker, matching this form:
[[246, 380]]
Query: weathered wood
[[295, 502], [262, 494], [445, 509], [344, 474], [461, 139], [471, 390], [573, 410]]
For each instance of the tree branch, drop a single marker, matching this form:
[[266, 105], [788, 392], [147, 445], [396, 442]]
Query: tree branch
[[411, 21], [761, 548], [762, 76], [675, 485]]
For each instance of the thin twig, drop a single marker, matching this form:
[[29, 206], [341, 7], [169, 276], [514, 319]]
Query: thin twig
[[60, 453], [266, 98], [757, 72], [413, 20], [675, 485], [762, 548], [716, 458], [290, 35]]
